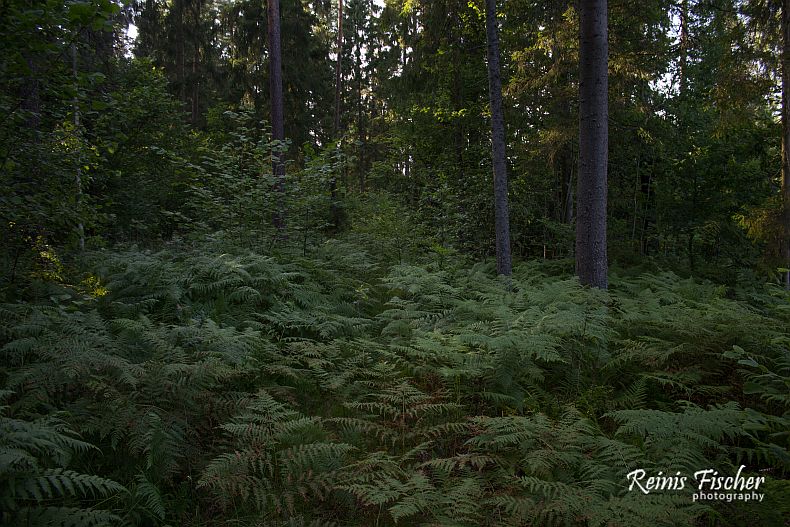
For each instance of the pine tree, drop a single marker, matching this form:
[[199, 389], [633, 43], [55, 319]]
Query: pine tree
[[501, 216], [786, 135], [591, 256], [276, 95], [334, 208]]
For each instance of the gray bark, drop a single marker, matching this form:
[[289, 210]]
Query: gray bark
[[504, 264], [786, 136], [334, 209], [276, 96], [338, 69], [591, 257]]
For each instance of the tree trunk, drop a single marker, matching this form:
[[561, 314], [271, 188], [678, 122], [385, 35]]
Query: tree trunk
[[77, 132], [181, 56], [360, 126], [338, 69], [591, 258], [786, 136], [501, 215], [457, 102], [568, 208], [684, 46], [195, 84], [278, 127], [195, 87], [334, 209], [31, 98]]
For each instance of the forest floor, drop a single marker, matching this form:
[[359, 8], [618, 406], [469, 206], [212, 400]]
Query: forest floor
[[219, 386]]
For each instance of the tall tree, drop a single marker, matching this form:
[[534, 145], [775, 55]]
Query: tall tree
[[786, 136], [501, 215], [338, 69], [78, 180], [683, 46], [591, 258], [276, 96], [334, 209]]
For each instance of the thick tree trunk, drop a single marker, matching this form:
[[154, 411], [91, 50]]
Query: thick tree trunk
[[786, 135], [501, 215], [591, 258], [278, 127]]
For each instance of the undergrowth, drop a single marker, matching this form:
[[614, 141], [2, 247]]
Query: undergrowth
[[222, 387]]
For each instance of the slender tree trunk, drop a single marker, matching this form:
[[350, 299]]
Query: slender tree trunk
[[591, 258], [334, 209], [786, 135], [338, 69], [565, 156], [404, 57], [460, 140], [31, 99], [646, 212], [195, 84], [684, 46], [457, 99], [78, 178], [278, 127], [637, 192], [195, 87], [181, 57], [360, 126], [504, 264]]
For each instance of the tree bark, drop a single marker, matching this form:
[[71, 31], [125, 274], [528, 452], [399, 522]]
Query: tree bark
[[278, 127], [195, 84], [31, 98], [504, 264], [338, 69], [181, 56], [334, 209], [591, 257], [786, 136], [684, 46], [77, 132], [457, 100], [360, 125]]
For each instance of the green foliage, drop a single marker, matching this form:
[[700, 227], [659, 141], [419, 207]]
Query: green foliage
[[306, 391], [37, 488]]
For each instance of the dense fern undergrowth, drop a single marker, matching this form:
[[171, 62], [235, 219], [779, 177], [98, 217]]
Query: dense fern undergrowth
[[207, 384]]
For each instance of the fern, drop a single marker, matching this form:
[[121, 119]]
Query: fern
[[35, 484], [325, 388]]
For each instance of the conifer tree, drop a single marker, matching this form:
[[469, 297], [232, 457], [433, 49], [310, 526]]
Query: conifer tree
[[786, 136], [591, 256], [276, 95], [501, 216]]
